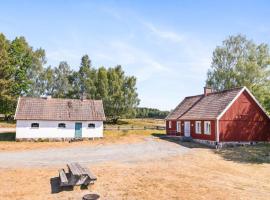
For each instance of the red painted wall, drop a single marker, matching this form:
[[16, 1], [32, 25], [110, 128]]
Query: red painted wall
[[172, 130], [203, 136], [244, 121]]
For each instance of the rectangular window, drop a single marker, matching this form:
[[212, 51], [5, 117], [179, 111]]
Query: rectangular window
[[179, 127], [35, 125], [91, 125], [198, 127], [207, 127], [170, 124], [61, 125]]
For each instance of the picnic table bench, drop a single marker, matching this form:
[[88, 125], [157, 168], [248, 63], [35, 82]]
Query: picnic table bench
[[77, 175]]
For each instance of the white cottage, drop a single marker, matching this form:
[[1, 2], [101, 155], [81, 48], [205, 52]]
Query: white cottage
[[53, 118]]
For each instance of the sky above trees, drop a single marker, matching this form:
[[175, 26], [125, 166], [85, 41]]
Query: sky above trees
[[168, 45]]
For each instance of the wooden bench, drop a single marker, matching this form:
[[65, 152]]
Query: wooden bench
[[77, 175], [63, 177]]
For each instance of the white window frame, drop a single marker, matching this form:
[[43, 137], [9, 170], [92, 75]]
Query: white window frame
[[207, 130], [170, 124], [198, 124], [178, 126]]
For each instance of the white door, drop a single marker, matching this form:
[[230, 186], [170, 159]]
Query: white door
[[187, 129]]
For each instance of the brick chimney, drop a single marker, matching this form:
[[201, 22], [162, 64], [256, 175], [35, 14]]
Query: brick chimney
[[83, 96], [207, 90]]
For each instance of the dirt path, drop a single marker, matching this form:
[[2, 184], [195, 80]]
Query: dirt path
[[150, 149]]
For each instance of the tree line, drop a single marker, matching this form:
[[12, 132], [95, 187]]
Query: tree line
[[142, 112], [241, 62], [22, 73]]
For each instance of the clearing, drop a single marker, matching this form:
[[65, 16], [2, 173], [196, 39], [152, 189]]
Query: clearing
[[146, 167]]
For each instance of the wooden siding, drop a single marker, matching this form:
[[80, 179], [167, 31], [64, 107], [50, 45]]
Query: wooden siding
[[193, 134], [244, 121]]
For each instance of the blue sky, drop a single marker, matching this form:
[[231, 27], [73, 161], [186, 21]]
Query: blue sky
[[167, 45]]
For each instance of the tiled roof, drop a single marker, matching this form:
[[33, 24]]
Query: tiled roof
[[59, 109], [184, 106], [206, 107]]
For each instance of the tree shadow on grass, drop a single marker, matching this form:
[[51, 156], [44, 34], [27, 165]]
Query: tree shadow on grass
[[178, 141], [256, 154], [7, 136]]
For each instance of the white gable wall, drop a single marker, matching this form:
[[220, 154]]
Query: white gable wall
[[49, 129]]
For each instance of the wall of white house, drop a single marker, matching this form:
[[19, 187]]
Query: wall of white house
[[49, 129]]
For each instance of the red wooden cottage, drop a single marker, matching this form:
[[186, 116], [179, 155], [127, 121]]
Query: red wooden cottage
[[222, 117]]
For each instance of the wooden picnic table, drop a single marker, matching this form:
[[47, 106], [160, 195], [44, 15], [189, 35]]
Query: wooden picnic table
[[77, 175]]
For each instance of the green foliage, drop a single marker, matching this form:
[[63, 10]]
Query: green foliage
[[20, 66], [241, 62], [22, 73], [150, 113]]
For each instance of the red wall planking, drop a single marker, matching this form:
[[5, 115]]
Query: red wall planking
[[244, 121]]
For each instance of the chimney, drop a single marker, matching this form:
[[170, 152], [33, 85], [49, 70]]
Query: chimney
[[47, 97], [83, 96], [207, 90]]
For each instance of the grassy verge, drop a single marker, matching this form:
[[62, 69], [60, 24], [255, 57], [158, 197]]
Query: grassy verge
[[137, 122], [259, 154], [4, 124]]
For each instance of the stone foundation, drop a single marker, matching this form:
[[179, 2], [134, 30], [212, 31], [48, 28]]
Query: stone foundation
[[55, 139]]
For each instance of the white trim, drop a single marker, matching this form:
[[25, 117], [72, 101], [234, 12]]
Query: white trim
[[236, 97], [230, 104], [205, 126], [200, 131], [17, 107], [178, 126], [256, 101], [217, 131], [170, 124]]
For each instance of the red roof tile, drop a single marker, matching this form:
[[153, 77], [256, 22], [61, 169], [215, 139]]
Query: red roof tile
[[204, 107], [59, 109]]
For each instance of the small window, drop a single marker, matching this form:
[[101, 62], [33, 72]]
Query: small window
[[35, 125], [207, 128], [179, 127], [170, 124], [61, 125], [198, 127], [91, 125]]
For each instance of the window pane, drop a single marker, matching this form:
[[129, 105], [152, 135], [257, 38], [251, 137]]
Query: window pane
[[35, 125], [91, 125], [62, 125]]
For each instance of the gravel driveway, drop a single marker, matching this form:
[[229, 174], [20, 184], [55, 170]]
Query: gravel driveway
[[149, 149]]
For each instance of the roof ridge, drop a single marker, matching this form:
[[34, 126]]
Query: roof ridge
[[226, 90], [26, 97]]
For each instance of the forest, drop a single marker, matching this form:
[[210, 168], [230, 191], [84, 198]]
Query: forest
[[23, 73]]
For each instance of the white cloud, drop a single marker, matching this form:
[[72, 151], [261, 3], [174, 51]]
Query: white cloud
[[165, 34]]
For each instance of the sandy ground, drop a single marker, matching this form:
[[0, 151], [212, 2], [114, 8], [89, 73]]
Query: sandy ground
[[198, 173]]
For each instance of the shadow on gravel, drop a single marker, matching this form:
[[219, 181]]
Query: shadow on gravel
[[256, 154], [177, 140], [7, 136], [250, 154]]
